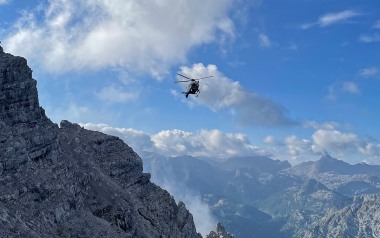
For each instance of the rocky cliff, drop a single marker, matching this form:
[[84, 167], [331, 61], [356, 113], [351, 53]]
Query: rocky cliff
[[70, 182]]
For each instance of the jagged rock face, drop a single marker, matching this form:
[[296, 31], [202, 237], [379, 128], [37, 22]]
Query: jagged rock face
[[360, 219], [26, 134], [70, 182], [220, 233]]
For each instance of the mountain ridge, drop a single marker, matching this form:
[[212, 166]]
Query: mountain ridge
[[67, 181], [328, 164], [296, 201]]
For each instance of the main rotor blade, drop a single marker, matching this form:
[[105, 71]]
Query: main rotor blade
[[181, 81], [184, 76], [204, 77]]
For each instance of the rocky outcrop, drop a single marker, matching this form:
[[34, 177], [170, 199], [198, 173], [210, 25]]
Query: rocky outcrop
[[70, 182], [220, 232]]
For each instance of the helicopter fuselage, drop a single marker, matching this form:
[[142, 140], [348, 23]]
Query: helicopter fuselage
[[192, 88]]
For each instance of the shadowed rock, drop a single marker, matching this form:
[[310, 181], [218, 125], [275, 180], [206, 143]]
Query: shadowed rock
[[70, 182]]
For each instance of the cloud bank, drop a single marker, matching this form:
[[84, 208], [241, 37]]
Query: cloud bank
[[77, 35], [327, 136], [209, 143]]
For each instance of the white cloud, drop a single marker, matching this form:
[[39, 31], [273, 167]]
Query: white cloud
[[327, 136], [370, 38], [136, 139], [336, 89], [221, 92], [334, 140], [350, 87], [76, 35], [371, 150], [368, 72], [332, 18], [4, 1], [297, 147], [347, 145], [209, 143], [213, 143], [265, 41], [269, 140], [117, 94]]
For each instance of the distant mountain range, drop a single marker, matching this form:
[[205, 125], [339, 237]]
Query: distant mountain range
[[261, 197]]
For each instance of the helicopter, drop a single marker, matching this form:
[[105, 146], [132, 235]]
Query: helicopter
[[193, 87]]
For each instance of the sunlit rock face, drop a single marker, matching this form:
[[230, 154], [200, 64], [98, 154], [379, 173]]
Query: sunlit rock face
[[70, 182]]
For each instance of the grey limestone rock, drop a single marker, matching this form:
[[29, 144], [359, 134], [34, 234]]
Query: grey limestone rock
[[219, 233], [360, 219], [70, 182]]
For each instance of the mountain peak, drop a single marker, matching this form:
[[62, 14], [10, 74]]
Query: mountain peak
[[327, 156]]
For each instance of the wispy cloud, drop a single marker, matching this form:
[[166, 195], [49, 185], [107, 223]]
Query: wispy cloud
[[350, 87], [203, 217], [332, 18], [293, 46], [331, 93], [4, 1], [264, 41], [376, 25], [370, 38], [339, 88], [222, 93], [369, 72], [269, 140], [117, 94], [81, 35]]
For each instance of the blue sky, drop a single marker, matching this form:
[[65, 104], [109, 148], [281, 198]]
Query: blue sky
[[292, 79]]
